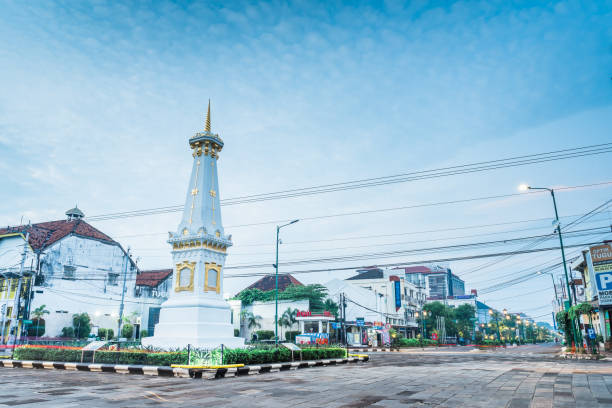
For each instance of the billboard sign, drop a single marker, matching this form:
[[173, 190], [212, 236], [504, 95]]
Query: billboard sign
[[601, 259], [398, 295], [312, 338]]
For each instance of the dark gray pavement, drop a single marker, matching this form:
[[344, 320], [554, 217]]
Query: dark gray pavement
[[528, 376]]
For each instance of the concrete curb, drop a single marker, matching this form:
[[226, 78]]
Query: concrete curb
[[370, 350], [163, 371], [573, 356]]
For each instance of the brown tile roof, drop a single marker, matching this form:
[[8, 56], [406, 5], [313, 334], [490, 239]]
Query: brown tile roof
[[152, 278], [268, 282], [417, 269], [44, 234]]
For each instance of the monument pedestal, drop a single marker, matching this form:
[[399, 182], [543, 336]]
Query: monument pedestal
[[191, 320]]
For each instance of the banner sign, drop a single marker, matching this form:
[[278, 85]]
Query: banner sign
[[601, 257], [398, 295], [360, 321], [312, 338]]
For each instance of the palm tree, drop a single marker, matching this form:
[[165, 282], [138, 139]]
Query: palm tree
[[38, 315], [250, 320], [288, 319]]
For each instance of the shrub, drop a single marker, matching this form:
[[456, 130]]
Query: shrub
[[37, 328], [103, 356], [274, 355], [403, 342], [265, 334], [290, 335], [106, 333], [127, 330], [231, 356], [67, 332], [81, 324], [144, 333]]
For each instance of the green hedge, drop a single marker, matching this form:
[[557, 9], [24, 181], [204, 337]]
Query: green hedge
[[258, 356], [290, 335], [110, 357], [416, 342], [230, 356], [264, 334]]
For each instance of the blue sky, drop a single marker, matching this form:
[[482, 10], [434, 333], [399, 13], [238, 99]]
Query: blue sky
[[100, 98]]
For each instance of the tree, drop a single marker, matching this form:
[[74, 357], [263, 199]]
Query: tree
[[331, 306], [288, 319], [439, 309], [127, 330], [82, 325], [250, 320], [314, 293], [37, 316], [465, 315]]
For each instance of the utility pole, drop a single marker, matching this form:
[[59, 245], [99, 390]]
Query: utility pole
[[127, 261], [15, 313], [575, 326]]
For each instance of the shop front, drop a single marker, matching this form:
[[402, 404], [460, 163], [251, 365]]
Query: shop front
[[314, 328], [371, 334]]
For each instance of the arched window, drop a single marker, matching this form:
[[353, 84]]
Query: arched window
[[212, 278], [184, 278]]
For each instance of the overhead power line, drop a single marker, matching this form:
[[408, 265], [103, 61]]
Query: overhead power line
[[375, 255], [385, 180]]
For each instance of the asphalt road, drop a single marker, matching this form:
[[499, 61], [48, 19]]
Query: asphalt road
[[528, 376]]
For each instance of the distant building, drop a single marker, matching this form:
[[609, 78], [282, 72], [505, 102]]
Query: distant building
[[266, 310], [397, 300], [154, 285], [268, 282], [438, 282]]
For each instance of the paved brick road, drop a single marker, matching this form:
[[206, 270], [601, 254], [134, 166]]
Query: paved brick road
[[522, 377]]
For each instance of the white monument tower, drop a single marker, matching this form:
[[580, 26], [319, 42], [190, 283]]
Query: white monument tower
[[195, 313]]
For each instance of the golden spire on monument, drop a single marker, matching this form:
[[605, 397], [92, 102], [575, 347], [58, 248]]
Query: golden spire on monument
[[207, 126]]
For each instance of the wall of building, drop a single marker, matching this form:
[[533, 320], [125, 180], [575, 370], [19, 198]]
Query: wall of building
[[82, 275], [267, 312]]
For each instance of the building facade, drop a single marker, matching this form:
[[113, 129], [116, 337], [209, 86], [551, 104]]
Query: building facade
[[69, 267], [439, 282], [396, 300]]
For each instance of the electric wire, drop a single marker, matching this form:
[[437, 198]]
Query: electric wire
[[400, 178]]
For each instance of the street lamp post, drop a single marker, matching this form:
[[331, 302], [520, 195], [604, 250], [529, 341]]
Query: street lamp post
[[558, 227], [525, 187], [278, 227]]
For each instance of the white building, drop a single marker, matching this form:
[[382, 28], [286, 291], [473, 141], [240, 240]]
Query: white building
[[266, 312], [69, 267], [397, 300]]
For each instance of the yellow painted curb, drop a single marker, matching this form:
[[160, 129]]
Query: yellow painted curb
[[358, 355], [207, 366]]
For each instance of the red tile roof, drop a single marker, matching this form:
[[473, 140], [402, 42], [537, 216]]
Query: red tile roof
[[152, 278], [44, 234], [268, 282], [416, 269]]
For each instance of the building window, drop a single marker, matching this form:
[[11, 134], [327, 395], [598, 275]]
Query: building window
[[69, 272], [113, 279]]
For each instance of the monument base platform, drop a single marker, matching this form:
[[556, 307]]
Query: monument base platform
[[202, 322], [173, 343]]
